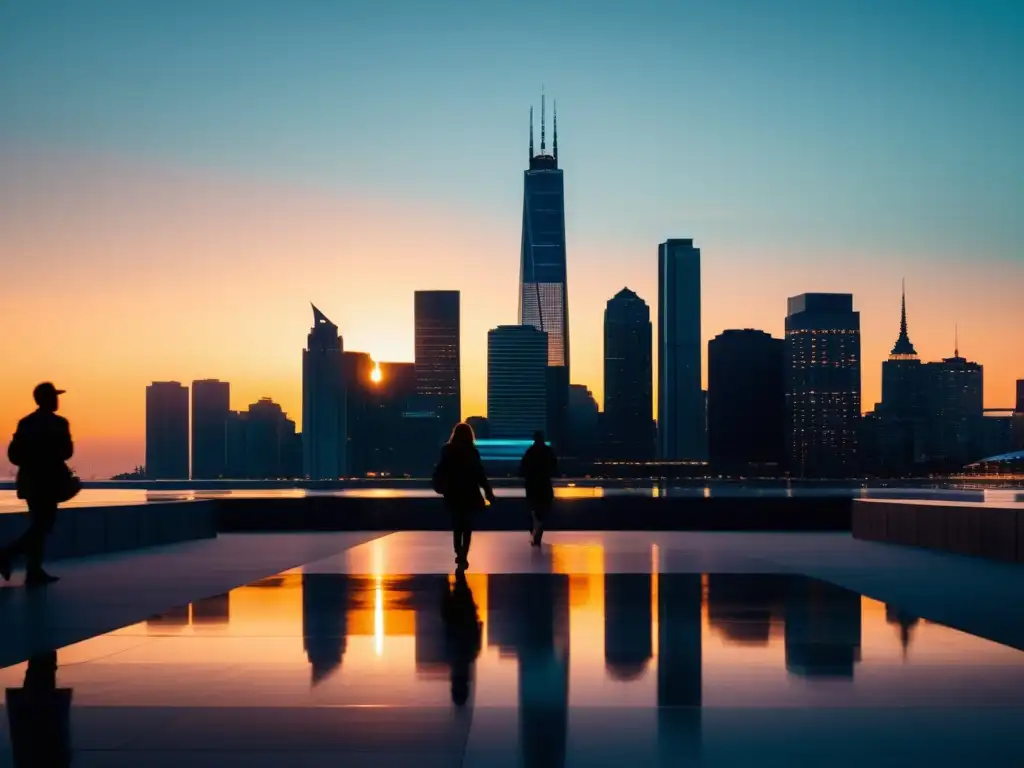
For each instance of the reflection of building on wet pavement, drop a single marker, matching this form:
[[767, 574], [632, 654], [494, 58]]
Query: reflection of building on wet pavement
[[906, 623], [528, 616], [628, 641], [823, 629], [211, 611], [680, 677], [324, 622], [742, 608]]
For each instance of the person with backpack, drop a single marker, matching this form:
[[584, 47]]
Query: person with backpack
[[459, 478]]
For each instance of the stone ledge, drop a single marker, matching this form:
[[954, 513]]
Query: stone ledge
[[995, 533], [83, 531]]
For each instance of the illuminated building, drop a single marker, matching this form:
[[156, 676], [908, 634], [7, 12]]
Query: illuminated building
[[517, 401], [954, 403], [543, 297], [628, 379], [210, 406], [822, 385], [324, 444], [437, 354], [167, 431], [746, 402], [681, 420]]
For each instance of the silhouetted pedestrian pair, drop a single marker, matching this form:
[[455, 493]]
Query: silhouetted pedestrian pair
[[460, 478], [40, 449], [539, 464]]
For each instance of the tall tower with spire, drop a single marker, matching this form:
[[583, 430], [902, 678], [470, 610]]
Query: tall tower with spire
[[901, 373], [324, 421], [543, 295]]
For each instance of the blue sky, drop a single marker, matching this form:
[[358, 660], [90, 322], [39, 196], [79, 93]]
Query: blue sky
[[807, 122]]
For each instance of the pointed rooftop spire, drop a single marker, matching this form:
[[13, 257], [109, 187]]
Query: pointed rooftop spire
[[531, 133], [319, 318], [956, 340], [554, 129], [542, 145], [903, 347]]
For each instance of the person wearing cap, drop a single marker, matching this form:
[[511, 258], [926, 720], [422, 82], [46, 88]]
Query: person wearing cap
[[40, 447]]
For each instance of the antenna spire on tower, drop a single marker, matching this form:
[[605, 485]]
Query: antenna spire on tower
[[554, 126], [531, 133], [956, 340], [542, 120]]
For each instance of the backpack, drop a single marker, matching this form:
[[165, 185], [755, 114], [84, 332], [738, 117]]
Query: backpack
[[439, 480]]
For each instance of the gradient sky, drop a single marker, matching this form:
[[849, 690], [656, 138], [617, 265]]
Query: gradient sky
[[178, 180]]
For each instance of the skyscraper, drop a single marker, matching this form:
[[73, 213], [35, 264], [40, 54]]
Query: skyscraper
[[822, 385], [954, 411], [324, 434], [210, 405], [167, 431], [584, 422], [517, 363], [746, 402], [681, 420], [437, 354], [271, 449], [897, 424], [628, 379], [543, 299]]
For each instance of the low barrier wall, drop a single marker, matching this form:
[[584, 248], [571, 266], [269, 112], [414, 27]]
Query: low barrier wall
[[981, 530], [82, 531], [608, 513]]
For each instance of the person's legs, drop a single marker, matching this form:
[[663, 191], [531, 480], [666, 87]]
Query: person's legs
[[541, 507], [43, 514]]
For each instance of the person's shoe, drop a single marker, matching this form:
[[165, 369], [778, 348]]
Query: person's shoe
[[5, 567], [40, 579]]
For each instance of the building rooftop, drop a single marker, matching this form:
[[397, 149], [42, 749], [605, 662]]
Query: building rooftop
[[635, 648]]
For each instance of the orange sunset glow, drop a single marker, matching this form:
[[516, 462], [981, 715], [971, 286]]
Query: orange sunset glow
[[118, 272]]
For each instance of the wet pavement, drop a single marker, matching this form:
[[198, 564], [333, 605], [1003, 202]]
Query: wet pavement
[[602, 650]]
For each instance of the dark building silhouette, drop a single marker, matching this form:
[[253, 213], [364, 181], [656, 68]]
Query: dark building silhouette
[[172, 620], [893, 434], [272, 447], [681, 420], [584, 422], [324, 441], [211, 401], [391, 429], [166, 431], [628, 631], [481, 427], [517, 396], [954, 412], [234, 428], [746, 402], [543, 295], [628, 379], [823, 629], [1018, 418], [823, 385], [438, 357], [325, 598]]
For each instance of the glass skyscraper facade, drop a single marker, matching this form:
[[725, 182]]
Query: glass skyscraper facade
[[543, 298], [516, 383], [210, 405], [167, 431], [628, 379], [437, 354]]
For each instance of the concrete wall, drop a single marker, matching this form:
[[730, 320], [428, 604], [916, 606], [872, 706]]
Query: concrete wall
[[996, 533], [82, 531], [609, 513]]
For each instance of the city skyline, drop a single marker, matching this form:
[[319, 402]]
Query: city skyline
[[179, 199]]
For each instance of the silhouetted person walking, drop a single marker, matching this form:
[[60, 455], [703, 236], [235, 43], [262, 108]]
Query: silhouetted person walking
[[460, 477], [463, 634], [538, 466], [40, 447]]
